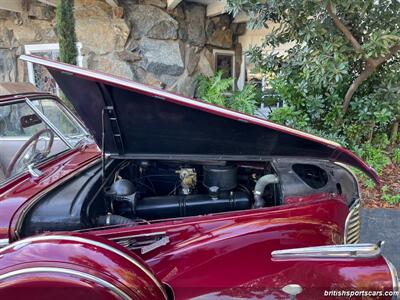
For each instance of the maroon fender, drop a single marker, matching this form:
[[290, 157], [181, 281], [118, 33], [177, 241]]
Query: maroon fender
[[231, 256], [74, 266], [318, 279]]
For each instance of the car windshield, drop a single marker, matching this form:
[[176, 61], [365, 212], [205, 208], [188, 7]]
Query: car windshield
[[33, 130]]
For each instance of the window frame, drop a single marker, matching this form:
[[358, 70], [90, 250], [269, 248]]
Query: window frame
[[39, 48], [65, 109]]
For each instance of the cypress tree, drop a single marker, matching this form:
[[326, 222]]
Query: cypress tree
[[66, 31]]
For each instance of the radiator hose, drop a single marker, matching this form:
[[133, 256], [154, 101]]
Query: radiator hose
[[260, 187]]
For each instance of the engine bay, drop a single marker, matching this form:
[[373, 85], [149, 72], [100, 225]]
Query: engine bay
[[155, 190], [138, 192]]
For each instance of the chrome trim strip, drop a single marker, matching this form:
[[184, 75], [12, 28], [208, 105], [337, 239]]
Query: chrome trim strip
[[48, 123], [90, 242], [4, 242], [86, 276], [151, 234], [395, 279], [331, 251]]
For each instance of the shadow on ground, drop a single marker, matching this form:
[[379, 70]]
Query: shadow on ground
[[382, 225]]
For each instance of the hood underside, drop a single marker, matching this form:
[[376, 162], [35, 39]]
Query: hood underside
[[144, 122]]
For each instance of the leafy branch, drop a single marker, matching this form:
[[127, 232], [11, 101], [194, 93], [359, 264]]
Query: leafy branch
[[371, 64]]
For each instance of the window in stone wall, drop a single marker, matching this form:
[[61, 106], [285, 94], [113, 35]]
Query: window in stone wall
[[38, 75], [224, 60]]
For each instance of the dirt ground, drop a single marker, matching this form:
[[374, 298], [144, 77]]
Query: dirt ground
[[372, 198]]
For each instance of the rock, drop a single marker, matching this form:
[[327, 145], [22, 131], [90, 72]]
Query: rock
[[158, 3], [182, 32], [120, 31], [8, 66], [96, 28], [92, 9], [110, 64], [117, 12], [192, 59], [178, 13], [153, 80], [221, 38], [219, 32], [162, 57], [85, 3], [5, 14], [205, 65], [102, 35], [168, 80], [222, 21], [156, 80], [185, 86], [41, 12], [164, 30], [129, 56], [139, 74], [195, 23], [7, 39], [30, 32], [151, 21], [132, 45]]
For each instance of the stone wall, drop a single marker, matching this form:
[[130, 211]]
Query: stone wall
[[147, 43]]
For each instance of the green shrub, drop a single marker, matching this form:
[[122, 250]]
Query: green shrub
[[219, 91], [373, 156], [245, 100], [389, 197], [396, 156], [214, 89]]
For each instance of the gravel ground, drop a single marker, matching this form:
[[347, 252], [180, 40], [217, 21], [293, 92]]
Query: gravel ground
[[382, 225]]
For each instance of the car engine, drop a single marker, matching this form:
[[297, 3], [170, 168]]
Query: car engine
[[159, 190]]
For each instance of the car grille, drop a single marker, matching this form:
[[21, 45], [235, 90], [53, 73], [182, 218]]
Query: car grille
[[353, 224]]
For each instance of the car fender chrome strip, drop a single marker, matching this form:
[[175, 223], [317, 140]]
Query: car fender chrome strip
[[332, 251], [150, 234], [395, 279], [90, 242], [79, 274]]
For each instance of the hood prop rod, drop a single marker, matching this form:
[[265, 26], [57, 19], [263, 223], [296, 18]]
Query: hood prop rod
[[103, 143], [108, 111]]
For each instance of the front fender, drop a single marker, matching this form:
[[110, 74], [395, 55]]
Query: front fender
[[74, 266]]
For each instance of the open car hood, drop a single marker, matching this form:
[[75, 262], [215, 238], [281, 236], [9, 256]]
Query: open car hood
[[144, 122]]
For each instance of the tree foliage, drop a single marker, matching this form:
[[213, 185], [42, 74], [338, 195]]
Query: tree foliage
[[342, 76], [66, 31]]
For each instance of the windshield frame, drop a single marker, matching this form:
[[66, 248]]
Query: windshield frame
[[31, 97]]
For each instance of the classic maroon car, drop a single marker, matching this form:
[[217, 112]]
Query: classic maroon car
[[151, 195]]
